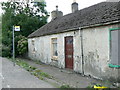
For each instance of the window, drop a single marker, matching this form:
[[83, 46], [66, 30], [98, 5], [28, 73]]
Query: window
[[33, 47], [70, 41], [54, 47], [114, 47], [33, 42]]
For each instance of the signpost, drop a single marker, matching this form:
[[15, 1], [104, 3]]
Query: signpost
[[15, 28]]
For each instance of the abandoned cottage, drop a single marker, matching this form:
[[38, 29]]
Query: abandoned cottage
[[85, 40]]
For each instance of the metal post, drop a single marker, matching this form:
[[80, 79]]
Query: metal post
[[13, 48]]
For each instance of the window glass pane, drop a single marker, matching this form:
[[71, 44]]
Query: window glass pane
[[54, 44], [55, 49], [70, 41], [115, 47]]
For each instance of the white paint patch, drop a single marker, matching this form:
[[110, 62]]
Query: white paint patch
[[1, 76], [8, 86]]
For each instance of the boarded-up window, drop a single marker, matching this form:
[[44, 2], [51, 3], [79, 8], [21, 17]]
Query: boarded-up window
[[33, 42], [115, 47], [54, 47], [33, 46]]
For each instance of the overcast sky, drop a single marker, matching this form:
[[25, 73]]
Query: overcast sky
[[65, 5]]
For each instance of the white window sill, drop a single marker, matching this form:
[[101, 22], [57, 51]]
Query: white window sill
[[54, 58]]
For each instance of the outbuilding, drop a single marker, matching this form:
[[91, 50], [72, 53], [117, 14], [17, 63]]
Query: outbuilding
[[86, 41]]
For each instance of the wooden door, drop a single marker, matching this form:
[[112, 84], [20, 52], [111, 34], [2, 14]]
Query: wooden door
[[69, 52]]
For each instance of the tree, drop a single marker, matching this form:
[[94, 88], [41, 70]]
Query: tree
[[0, 35], [29, 17]]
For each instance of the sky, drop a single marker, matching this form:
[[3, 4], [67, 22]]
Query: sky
[[65, 5]]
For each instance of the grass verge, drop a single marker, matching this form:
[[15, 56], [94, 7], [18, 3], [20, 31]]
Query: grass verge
[[33, 70]]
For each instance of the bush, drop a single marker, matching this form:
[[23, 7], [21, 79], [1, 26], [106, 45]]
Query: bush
[[22, 45], [0, 49], [6, 51], [64, 86]]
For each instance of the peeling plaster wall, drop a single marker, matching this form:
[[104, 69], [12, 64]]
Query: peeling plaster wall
[[43, 51], [38, 49], [95, 52], [77, 52]]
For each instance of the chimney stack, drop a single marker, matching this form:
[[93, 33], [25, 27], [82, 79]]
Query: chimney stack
[[56, 13], [74, 7]]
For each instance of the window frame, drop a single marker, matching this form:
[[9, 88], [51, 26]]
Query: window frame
[[110, 64], [52, 47]]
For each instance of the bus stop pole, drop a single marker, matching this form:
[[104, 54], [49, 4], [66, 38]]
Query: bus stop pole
[[13, 48]]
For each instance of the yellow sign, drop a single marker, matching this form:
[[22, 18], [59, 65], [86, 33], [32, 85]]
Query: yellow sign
[[99, 87], [17, 28]]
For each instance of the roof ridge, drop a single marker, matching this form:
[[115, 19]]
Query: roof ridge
[[95, 14]]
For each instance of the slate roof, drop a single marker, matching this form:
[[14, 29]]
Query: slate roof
[[97, 14]]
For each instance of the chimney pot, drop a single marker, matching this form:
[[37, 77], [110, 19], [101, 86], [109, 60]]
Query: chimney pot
[[74, 7], [56, 13]]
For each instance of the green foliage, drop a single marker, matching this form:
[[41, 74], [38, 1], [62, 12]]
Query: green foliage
[[33, 70], [27, 16], [22, 45], [45, 75], [0, 35], [5, 50], [65, 86], [40, 74], [0, 49], [90, 87], [30, 18]]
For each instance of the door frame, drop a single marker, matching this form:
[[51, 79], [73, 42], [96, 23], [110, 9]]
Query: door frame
[[65, 51]]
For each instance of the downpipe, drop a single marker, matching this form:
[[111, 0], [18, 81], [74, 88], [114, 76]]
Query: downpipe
[[81, 38]]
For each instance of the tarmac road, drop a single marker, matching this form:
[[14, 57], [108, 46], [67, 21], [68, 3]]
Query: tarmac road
[[17, 77]]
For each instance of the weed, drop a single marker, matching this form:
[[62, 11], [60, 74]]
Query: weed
[[107, 83], [64, 86], [40, 77], [45, 75], [34, 73], [33, 70], [38, 62], [90, 87], [38, 71]]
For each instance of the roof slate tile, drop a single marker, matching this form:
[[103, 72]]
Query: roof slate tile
[[97, 14]]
